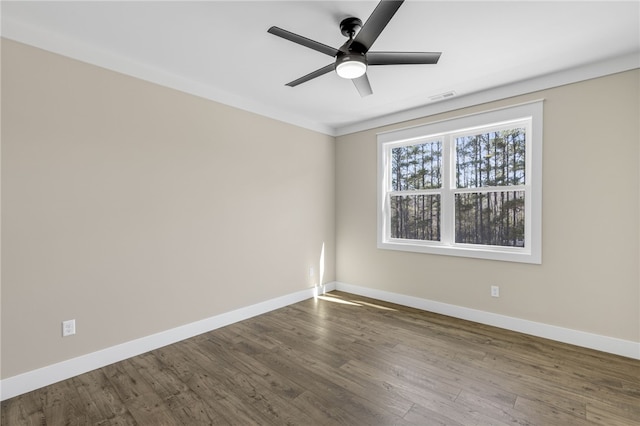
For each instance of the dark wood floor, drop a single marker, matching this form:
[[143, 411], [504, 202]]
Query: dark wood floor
[[348, 360]]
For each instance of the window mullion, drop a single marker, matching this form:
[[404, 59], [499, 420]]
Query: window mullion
[[448, 214], [486, 189], [411, 192]]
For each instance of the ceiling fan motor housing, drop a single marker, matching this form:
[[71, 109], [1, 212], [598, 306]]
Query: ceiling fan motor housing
[[350, 27]]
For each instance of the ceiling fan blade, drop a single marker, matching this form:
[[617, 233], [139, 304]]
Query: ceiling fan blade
[[312, 75], [363, 85], [311, 44], [402, 58], [378, 20]]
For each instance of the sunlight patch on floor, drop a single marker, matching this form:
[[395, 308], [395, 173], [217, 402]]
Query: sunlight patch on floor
[[340, 299], [373, 305], [336, 300]]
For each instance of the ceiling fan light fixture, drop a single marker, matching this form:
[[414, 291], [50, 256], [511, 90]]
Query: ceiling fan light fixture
[[351, 66]]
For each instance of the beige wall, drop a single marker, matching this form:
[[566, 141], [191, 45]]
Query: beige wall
[[135, 208], [589, 277]]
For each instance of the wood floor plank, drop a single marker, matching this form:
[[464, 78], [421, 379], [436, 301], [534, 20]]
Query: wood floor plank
[[454, 374], [453, 413], [321, 412], [329, 385], [544, 412], [25, 410], [143, 403], [99, 399], [489, 408], [608, 415], [343, 359], [407, 391], [278, 384], [419, 415], [220, 390], [248, 389], [185, 405], [563, 392]]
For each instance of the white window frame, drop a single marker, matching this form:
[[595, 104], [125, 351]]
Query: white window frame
[[530, 113]]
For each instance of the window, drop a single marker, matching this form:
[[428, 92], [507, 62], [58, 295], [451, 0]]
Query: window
[[469, 186]]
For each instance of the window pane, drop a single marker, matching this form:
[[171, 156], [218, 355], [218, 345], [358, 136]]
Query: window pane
[[416, 166], [492, 218], [416, 217], [490, 159]]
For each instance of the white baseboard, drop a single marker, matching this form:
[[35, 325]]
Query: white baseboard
[[35, 379], [598, 342]]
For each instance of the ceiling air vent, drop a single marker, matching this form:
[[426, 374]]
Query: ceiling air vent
[[442, 96]]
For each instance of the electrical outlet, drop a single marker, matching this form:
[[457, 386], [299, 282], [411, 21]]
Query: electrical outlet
[[68, 328], [311, 271], [495, 291]]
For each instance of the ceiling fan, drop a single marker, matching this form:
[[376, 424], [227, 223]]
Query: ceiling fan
[[353, 57]]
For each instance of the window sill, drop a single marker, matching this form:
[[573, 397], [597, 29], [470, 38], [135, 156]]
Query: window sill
[[505, 254]]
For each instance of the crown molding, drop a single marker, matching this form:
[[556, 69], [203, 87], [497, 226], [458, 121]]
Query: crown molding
[[84, 52]]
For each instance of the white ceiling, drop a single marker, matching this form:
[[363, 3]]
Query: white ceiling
[[221, 50]]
